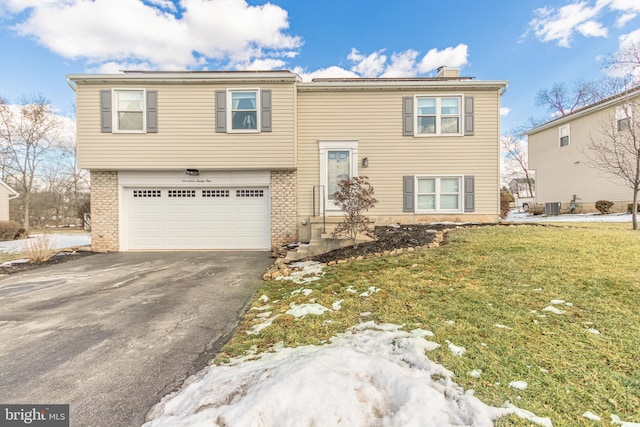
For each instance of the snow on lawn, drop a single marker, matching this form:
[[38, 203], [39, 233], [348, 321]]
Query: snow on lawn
[[59, 241], [370, 375], [515, 216]]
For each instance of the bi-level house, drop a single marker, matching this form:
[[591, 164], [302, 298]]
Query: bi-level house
[[250, 160], [559, 153]]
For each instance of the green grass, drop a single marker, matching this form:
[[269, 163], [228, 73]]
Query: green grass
[[488, 276]]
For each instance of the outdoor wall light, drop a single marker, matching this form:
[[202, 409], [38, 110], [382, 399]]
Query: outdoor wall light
[[365, 162], [192, 172]]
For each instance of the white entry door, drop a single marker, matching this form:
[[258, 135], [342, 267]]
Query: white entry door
[[197, 218]]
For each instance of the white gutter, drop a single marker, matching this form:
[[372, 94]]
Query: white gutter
[[71, 85]]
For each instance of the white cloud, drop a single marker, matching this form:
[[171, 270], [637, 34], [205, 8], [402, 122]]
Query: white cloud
[[504, 111], [451, 57], [103, 31], [623, 19], [329, 72], [403, 64], [368, 66], [592, 29], [560, 24]]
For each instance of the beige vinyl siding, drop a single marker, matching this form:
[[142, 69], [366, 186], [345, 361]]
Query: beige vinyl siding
[[186, 132], [4, 203], [374, 119], [561, 172]]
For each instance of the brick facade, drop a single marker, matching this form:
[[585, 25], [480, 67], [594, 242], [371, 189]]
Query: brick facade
[[284, 208], [104, 211]]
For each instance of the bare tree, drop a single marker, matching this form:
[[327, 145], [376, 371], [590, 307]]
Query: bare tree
[[615, 149], [626, 62], [28, 132], [559, 100], [354, 197], [516, 164]]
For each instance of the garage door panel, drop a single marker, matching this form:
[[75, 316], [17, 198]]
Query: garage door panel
[[198, 219]]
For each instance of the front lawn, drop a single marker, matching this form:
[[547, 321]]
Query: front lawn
[[546, 318]]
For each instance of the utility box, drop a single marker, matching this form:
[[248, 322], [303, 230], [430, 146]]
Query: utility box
[[552, 208]]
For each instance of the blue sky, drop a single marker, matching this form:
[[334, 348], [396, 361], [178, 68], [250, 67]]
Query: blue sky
[[532, 44]]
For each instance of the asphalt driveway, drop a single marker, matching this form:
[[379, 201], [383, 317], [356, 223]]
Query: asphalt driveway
[[111, 334]]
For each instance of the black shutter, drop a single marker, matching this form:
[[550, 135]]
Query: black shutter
[[469, 194], [265, 111], [105, 111], [408, 194], [407, 115], [221, 111], [152, 111]]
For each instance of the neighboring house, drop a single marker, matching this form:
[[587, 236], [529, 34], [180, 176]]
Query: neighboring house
[[249, 160], [522, 187], [6, 193], [559, 154]]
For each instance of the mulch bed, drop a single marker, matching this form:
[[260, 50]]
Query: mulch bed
[[389, 238]]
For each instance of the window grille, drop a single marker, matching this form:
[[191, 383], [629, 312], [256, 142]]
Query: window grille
[[147, 193], [215, 193], [249, 193], [182, 193]]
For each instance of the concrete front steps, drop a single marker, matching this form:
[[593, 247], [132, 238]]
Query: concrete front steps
[[322, 240]]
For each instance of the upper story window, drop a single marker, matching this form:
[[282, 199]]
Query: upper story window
[[125, 110], [243, 110], [624, 115], [129, 111], [438, 115], [564, 133]]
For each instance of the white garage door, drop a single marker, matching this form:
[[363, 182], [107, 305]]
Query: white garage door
[[199, 218]]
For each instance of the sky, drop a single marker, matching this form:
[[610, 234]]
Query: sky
[[532, 44]]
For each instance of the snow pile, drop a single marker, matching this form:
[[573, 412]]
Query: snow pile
[[59, 241], [371, 375]]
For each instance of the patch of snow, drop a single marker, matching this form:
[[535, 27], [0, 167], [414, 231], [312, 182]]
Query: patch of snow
[[370, 375], [519, 385], [593, 417], [455, 350], [309, 271], [498, 325], [255, 330], [450, 322], [351, 289], [422, 333], [593, 331], [365, 314], [544, 371], [336, 306], [515, 216], [372, 290], [264, 307], [302, 310], [552, 309], [58, 241], [476, 373], [557, 301], [305, 292], [264, 314], [264, 298], [537, 289], [568, 304], [616, 420]]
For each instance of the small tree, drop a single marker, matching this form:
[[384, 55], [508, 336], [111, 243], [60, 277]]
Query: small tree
[[354, 196]]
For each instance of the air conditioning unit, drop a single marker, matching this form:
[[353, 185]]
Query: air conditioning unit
[[552, 208]]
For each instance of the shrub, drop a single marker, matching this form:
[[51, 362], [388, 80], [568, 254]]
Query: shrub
[[9, 230], [39, 248], [505, 203], [536, 208], [630, 208], [604, 206], [354, 196]]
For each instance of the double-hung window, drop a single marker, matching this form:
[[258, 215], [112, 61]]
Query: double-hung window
[[129, 110], [564, 133], [438, 194], [623, 118], [243, 110], [438, 115]]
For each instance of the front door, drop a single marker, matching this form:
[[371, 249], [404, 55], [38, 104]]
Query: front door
[[338, 161]]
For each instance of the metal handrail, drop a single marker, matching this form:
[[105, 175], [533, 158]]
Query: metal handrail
[[321, 205]]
